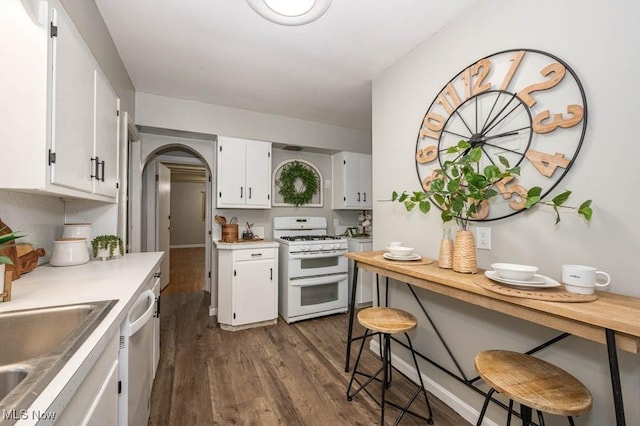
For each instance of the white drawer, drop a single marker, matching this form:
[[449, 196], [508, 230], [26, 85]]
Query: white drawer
[[254, 254]]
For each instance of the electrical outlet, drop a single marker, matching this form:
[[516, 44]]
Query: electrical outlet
[[483, 238]]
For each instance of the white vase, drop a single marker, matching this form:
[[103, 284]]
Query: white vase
[[103, 254]]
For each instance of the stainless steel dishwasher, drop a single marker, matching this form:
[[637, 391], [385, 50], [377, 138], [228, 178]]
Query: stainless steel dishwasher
[[136, 361]]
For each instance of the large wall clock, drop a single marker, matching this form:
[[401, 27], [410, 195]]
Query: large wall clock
[[523, 104]]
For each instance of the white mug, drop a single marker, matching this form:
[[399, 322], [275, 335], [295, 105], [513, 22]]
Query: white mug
[[394, 244], [583, 279]]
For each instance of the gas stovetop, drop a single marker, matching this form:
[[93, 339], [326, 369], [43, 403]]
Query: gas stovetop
[[310, 238]]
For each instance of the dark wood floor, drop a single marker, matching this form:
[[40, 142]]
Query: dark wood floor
[[276, 375], [186, 270]]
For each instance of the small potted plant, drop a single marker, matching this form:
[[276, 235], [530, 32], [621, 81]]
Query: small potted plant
[[107, 247], [460, 188]]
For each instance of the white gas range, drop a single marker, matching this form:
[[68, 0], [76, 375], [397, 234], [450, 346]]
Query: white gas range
[[313, 278]]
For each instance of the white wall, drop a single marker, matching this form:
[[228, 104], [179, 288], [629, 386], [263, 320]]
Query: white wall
[[182, 115], [38, 217], [600, 41]]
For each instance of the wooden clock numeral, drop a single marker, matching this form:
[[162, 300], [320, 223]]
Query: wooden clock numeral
[[575, 111], [545, 163]]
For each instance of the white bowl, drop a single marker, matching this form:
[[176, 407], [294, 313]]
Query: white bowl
[[513, 271], [401, 251]]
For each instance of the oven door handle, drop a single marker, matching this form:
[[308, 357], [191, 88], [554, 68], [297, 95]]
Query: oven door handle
[[325, 279], [317, 255]]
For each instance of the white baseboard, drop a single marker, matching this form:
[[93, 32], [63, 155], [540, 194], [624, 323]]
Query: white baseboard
[[466, 411], [185, 246], [213, 311]]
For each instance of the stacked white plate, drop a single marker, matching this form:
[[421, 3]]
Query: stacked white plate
[[537, 281], [412, 256]]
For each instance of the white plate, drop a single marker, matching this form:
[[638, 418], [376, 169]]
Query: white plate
[[412, 256], [536, 280], [548, 282]]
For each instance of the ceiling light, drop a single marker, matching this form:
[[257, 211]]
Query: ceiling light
[[290, 12], [290, 7]]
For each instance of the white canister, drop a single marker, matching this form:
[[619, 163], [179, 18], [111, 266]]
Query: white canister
[[69, 252], [79, 230]]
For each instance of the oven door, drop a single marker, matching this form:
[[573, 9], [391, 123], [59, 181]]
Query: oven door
[[314, 264], [309, 297]]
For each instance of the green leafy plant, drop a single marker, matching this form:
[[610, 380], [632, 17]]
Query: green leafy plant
[[291, 174], [460, 188], [107, 242], [7, 241]]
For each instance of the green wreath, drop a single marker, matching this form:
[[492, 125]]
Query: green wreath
[[290, 174]]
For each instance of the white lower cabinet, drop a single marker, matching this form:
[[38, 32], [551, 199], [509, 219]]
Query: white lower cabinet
[[366, 279], [95, 402], [247, 284]]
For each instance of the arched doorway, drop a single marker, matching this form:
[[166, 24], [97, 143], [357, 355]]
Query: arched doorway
[[175, 208]]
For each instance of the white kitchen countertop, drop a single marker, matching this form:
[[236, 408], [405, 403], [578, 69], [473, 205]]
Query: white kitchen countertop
[[120, 279], [220, 245]]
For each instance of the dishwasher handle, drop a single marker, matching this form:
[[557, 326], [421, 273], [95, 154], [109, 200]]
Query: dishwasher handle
[[146, 296]]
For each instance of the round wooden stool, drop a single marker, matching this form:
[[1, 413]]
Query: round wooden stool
[[385, 322], [534, 384]]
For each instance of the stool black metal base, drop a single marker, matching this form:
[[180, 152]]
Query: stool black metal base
[[525, 413], [385, 383]]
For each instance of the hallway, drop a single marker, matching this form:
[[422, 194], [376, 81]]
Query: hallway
[[187, 270]]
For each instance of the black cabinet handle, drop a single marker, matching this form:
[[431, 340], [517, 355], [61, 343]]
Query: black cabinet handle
[[249, 192], [241, 191], [94, 167], [358, 197], [102, 167], [256, 254], [365, 197], [271, 274]]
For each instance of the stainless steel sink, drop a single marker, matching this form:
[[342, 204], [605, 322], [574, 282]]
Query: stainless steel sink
[[10, 378], [29, 334], [35, 344]]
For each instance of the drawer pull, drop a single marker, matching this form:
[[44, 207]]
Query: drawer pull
[[256, 254]]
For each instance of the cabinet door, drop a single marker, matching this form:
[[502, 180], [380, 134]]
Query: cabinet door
[[231, 172], [353, 180], [367, 182], [72, 88], [258, 174], [106, 142], [254, 291], [104, 409]]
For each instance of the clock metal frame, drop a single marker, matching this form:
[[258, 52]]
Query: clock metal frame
[[548, 96]]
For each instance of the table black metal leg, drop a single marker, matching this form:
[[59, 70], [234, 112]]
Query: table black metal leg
[[525, 415], [614, 371], [352, 308]]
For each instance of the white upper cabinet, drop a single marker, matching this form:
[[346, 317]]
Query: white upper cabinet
[[351, 181], [65, 136], [244, 173], [106, 138], [72, 83]]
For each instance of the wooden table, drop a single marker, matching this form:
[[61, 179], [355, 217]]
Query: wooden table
[[612, 319]]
